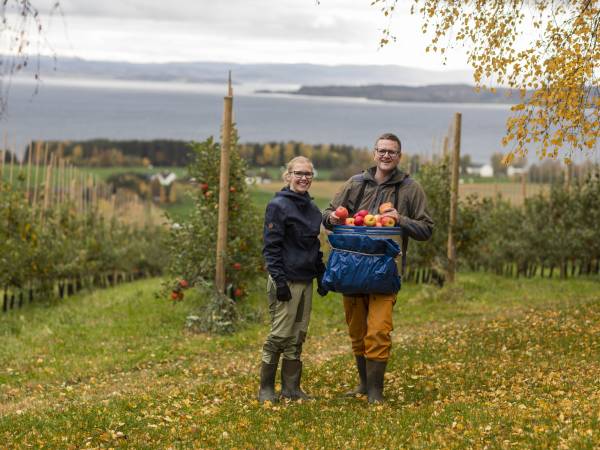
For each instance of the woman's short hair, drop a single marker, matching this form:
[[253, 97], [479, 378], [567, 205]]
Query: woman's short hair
[[290, 166]]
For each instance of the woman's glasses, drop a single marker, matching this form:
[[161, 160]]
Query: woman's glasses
[[297, 174]]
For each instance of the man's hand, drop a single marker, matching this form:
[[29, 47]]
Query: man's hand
[[283, 293], [335, 220], [393, 213]]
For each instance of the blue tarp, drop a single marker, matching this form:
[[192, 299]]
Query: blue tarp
[[359, 264]]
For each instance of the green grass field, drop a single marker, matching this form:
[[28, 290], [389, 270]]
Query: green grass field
[[490, 362]]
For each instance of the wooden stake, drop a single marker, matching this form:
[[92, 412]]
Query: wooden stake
[[48, 182], [28, 184], [454, 199], [524, 186], [12, 163], [224, 190]]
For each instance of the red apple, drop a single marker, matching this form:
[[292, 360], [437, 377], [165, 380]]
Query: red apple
[[204, 187], [363, 212], [183, 283], [237, 266], [350, 221], [341, 212], [174, 295], [238, 293], [359, 221], [232, 189], [370, 220], [387, 221], [385, 207]]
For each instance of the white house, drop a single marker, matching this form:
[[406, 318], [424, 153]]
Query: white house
[[512, 171], [483, 170]]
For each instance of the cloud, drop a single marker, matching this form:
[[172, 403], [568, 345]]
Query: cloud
[[333, 31]]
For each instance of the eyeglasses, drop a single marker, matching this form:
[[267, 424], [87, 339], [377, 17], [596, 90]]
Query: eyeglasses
[[297, 174], [383, 152]]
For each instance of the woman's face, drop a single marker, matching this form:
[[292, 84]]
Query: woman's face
[[301, 177]]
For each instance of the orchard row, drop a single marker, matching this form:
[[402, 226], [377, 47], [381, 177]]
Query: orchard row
[[54, 252]]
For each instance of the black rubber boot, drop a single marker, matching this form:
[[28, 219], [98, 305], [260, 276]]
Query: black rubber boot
[[267, 382], [361, 367], [375, 372], [291, 372]]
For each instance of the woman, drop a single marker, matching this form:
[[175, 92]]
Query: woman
[[293, 259]]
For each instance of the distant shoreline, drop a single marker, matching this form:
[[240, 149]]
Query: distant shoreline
[[438, 93]]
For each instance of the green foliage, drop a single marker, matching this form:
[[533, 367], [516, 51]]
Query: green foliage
[[549, 231], [40, 249], [193, 241]]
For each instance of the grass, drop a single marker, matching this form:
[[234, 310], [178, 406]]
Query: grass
[[488, 362]]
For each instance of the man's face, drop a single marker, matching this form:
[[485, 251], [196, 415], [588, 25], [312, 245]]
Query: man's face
[[386, 155]]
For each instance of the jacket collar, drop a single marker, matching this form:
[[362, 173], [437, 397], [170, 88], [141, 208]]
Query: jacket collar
[[395, 177]]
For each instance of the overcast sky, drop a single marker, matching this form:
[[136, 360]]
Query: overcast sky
[[289, 31]]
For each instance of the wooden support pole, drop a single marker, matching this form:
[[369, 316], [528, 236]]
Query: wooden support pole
[[454, 199], [524, 186], [12, 163], [38, 151], [28, 184], [224, 190], [445, 147]]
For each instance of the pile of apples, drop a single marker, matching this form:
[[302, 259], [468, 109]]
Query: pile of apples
[[364, 218]]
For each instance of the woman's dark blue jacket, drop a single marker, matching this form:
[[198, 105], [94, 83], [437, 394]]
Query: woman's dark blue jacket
[[291, 238]]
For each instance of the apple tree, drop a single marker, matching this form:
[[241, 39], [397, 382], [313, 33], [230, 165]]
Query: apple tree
[[193, 242]]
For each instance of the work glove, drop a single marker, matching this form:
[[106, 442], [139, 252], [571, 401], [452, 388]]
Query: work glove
[[321, 290], [283, 293]]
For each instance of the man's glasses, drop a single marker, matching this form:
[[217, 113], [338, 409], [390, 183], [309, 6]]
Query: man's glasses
[[383, 152], [297, 174]]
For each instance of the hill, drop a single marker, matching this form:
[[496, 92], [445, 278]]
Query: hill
[[439, 93]]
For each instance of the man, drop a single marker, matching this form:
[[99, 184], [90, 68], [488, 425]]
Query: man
[[369, 316]]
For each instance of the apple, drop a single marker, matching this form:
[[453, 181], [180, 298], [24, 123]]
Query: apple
[[174, 295], [184, 284], [378, 224], [204, 187], [387, 221], [350, 221], [385, 207], [232, 189], [363, 212], [359, 221], [208, 194], [370, 220], [341, 212], [237, 266], [238, 293]]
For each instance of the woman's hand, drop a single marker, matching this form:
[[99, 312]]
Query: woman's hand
[[283, 293], [334, 220]]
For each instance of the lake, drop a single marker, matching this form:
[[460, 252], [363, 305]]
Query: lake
[[85, 109]]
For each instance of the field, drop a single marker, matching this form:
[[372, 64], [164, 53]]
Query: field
[[323, 191], [490, 362]]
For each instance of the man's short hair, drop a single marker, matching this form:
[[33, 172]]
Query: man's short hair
[[389, 137]]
